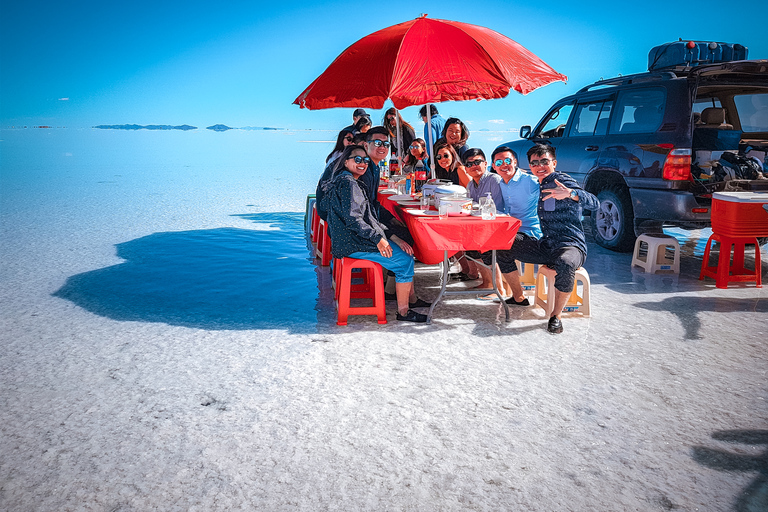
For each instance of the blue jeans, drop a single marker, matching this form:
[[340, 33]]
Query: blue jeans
[[400, 263]]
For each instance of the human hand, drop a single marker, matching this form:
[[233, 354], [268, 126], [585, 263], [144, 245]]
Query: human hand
[[384, 248], [406, 247], [559, 192]]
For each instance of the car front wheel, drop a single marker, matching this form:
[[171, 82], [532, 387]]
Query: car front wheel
[[612, 223]]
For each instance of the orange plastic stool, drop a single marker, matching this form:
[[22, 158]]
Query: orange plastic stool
[[725, 272], [314, 224], [345, 292], [323, 247]]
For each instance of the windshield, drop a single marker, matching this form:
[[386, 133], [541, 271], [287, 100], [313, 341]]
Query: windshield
[[753, 111]]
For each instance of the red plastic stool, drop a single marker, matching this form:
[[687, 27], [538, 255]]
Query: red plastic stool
[[345, 292], [314, 224], [362, 290], [323, 247], [725, 272]]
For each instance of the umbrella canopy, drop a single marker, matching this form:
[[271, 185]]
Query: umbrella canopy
[[427, 61]]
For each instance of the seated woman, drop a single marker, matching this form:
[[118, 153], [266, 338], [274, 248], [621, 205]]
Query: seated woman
[[448, 165], [363, 125], [416, 161], [356, 233], [456, 134], [344, 139]]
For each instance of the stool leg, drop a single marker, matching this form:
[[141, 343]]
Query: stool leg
[[343, 303], [724, 264], [378, 299], [758, 265], [705, 261]]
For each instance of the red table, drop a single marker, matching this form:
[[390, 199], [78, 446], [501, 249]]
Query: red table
[[435, 240]]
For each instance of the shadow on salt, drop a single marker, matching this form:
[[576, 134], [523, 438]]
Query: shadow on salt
[[220, 279]]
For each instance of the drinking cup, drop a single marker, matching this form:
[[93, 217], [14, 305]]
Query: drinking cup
[[401, 189], [443, 210], [424, 202]]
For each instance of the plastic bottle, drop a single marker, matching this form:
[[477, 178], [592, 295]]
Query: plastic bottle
[[408, 184], [385, 168], [488, 207]]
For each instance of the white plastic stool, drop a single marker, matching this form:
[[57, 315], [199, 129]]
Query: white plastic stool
[[656, 254], [527, 272], [545, 292]]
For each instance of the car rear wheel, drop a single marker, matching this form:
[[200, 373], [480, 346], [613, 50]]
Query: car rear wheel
[[612, 223]]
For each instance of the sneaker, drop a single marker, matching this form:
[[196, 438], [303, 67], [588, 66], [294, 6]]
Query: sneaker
[[512, 302], [412, 316], [555, 326]]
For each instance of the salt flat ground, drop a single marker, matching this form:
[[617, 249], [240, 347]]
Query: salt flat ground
[[167, 344], [655, 402]]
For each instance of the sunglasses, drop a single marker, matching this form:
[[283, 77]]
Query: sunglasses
[[414, 146], [379, 143], [349, 139], [543, 161], [440, 157], [358, 159], [473, 163], [500, 162]]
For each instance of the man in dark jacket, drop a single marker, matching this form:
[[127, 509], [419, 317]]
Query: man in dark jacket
[[562, 246]]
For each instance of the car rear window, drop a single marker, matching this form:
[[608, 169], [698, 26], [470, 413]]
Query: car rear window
[[638, 111], [753, 111]]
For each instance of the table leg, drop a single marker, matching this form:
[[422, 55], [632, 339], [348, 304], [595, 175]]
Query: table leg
[[446, 267], [495, 285]]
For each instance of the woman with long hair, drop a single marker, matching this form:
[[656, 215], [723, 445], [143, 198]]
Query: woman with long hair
[[456, 133], [343, 140], [416, 161], [448, 166], [407, 133]]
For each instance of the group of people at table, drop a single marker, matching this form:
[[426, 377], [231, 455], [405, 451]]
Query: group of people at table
[[549, 204]]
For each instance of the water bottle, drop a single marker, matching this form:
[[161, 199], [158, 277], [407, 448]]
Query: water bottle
[[385, 168], [488, 207], [408, 183]]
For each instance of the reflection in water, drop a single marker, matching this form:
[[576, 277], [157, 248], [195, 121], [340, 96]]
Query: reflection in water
[[224, 278]]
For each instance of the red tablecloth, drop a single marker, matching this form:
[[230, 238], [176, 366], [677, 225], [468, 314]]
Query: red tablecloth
[[433, 235]]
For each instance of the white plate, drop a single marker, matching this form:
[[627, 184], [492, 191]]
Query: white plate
[[424, 213], [409, 203], [403, 197], [387, 191]]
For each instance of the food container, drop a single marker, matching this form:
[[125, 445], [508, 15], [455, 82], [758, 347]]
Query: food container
[[740, 214], [457, 205], [444, 186]]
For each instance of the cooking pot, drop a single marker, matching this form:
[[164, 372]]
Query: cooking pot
[[457, 205]]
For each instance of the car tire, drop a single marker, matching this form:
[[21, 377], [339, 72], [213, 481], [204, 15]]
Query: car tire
[[613, 221]]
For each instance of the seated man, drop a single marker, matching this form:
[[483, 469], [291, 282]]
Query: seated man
[[562, 246]]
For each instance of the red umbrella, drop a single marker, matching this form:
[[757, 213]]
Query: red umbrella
[[427, 61]]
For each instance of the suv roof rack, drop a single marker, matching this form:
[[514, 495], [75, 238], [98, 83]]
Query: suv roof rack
[[634, 79]]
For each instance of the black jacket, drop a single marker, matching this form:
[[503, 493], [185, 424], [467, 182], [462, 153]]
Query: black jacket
[[352, 225]]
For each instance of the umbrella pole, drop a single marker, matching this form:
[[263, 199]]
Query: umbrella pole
[[431, 148], [399, 141]]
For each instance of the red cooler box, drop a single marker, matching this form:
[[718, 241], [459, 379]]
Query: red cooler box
[[740, 214]]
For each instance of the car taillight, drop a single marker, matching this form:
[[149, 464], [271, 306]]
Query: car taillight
[[677, 166]]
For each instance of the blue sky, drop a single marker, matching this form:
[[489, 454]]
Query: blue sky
[[78, 64]]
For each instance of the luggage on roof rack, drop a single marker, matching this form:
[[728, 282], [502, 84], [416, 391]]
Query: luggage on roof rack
[[693, 53]]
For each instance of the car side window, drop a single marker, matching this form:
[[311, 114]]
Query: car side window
[[554, 126], [591, 119], [639, 111]]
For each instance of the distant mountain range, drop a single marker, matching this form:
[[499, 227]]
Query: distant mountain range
[[185, 127]]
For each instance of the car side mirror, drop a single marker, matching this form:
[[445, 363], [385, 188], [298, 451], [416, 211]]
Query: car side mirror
[[525, 132]]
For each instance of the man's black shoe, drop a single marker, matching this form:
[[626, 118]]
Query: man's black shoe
[[412, 316], [512, 302], [555, 326]]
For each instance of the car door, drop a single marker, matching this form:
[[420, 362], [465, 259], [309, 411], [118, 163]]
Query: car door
[[579, 149]]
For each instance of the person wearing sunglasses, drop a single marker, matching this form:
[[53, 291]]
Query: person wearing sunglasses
[[448, 166], [416, 161], [344, 139], [480, 185], [562, 246], [356, 232]]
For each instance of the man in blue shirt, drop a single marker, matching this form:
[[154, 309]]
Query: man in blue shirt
[[562, 246], [436, 123]]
